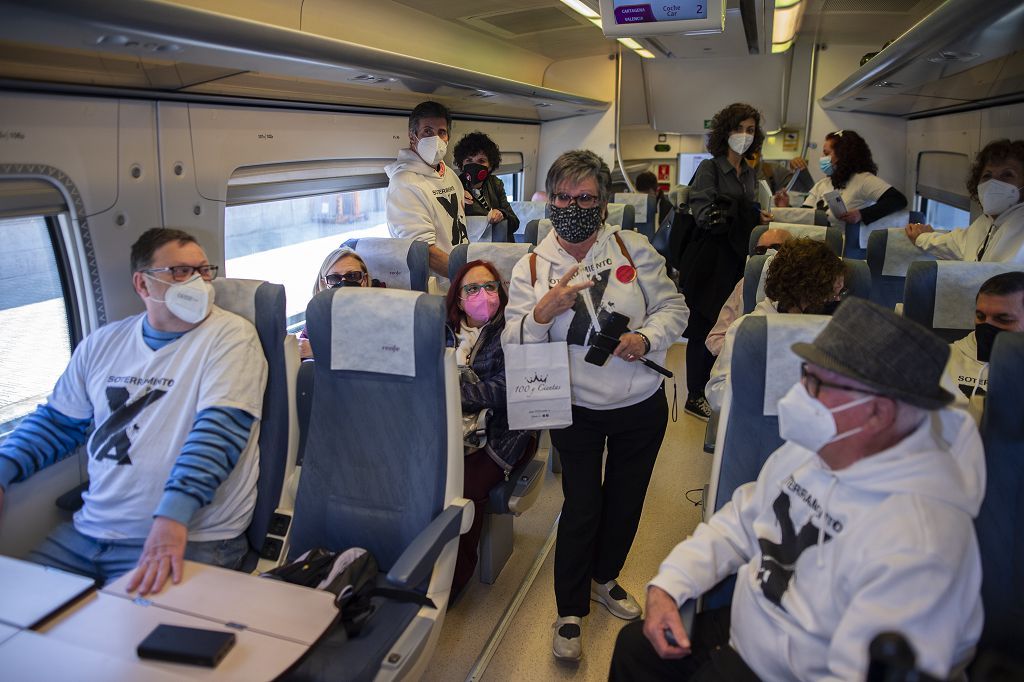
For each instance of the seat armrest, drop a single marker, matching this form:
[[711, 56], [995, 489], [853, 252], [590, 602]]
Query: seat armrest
[[417, 561], [71, 501], [686, 613]]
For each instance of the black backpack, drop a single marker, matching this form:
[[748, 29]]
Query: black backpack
[[351, 576]]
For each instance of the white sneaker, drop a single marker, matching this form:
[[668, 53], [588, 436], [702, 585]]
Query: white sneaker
[[567, 643], [616, 600]]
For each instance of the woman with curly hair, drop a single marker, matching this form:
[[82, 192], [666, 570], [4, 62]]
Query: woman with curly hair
[[996, 181], [850, 169], [477, 158], [722, 200], [804, 277]]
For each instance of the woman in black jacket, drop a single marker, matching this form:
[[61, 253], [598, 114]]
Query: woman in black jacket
[[722, 196], [476, 317], [477, 158]]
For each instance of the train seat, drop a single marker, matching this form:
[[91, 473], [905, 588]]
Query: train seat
[[748, 430], [798, 215], [382, 469], [889, 255], [517, 494], [941, 294], [622, 215], [1002, 511], [263, 304], [642, 206], [858, 280], [832, 236], [858, 235], [503, 256], [399, 263]]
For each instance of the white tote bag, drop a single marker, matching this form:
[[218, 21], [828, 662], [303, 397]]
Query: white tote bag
[[537, 384]]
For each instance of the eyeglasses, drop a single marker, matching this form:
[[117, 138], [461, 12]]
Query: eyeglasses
[[472, 289], [761, 250], [562, 200], [814, 384], [335, 280], [843, 294], [181, 273]]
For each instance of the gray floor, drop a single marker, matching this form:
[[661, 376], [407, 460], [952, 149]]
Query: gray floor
[[524, 653]]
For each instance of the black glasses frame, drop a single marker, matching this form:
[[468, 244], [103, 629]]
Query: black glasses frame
[[182, 273]]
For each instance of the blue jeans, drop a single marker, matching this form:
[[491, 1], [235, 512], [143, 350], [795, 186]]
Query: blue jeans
[[67, 549]]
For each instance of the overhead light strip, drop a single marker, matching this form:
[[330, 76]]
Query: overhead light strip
[[788, 14], [580, 8]]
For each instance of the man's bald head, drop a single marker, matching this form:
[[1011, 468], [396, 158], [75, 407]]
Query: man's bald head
[[773, 237]]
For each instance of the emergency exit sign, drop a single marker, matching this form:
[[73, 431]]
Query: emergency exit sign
[[707, 124]]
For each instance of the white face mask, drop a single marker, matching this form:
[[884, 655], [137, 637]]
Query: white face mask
[[740, 142], [996, 196], [807, 422], [188, 301], [432, 149]]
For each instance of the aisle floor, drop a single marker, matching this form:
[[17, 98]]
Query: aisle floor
[[524, 653]]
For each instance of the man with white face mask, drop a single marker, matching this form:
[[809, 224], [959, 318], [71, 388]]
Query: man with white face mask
[[861, 523], [997, 235], [424, 195], [174, 395]]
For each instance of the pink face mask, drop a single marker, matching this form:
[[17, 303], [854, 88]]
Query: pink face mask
[[482, 305]]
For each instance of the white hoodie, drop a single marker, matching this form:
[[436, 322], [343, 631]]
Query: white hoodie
[[826, 560], [425, 204], [1006, 245], [968, 376], [650, 301]]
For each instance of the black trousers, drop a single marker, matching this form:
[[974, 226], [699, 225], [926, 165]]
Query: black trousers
[[711, 658], [599, 520], [698, 358]]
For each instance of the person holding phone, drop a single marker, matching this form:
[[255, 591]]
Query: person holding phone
[[583, 269], [851, 172]]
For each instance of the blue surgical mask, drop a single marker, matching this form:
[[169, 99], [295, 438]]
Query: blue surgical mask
[[825, 163]]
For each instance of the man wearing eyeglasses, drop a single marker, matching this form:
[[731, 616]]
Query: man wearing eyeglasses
[[861, 523], [174, 397]]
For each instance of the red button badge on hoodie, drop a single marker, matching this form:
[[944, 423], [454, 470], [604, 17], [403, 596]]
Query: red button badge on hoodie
[[625, 273]]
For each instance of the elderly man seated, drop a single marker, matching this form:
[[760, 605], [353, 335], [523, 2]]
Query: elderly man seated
[[998, 308], [175, 395], [860, 523], [768, 243]]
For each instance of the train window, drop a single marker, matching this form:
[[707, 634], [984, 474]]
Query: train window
[[35, 336], [512, 182], [285, 240], [944, 216]]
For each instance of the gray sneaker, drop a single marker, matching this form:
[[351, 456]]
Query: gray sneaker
[[567, 643], [615, 599]]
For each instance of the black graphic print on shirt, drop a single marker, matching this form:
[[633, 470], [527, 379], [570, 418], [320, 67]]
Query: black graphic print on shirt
[[778, 560], [451, 205], [969, 390], [581, 326], [110, 441]]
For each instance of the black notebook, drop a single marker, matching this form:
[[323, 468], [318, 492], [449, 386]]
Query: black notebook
[[186, 645]]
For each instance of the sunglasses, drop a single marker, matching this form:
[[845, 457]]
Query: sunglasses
[[761, 250], [335, 280], [472, 289]]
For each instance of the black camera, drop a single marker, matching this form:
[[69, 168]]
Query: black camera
[[606, 340]]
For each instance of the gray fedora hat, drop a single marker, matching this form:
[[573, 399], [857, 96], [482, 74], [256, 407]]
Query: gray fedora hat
[[893, 355]]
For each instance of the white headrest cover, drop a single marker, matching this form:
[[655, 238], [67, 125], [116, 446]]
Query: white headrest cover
[[782, 366], [372, 330], [614, 215], [816, 232], [528, 210], [387, 260], [237, 296], [639, 201], [503, 256], [793, 214], [956, 289]]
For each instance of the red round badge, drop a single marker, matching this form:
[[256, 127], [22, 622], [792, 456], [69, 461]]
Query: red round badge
[[625, 273]]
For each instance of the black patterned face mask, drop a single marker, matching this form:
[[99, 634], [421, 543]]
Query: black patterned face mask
[[575, 224]]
